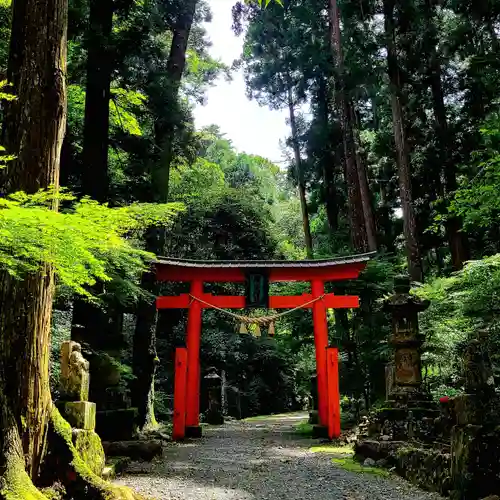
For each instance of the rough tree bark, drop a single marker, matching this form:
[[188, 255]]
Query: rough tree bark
[[33, 130], [402, 154], [457, 240], [359, 209], [95, 182], [31, 430], [90, 321], [298, 172], [328, 160], [145, 357]]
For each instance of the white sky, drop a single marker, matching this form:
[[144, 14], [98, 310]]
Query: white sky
[[251, 128]]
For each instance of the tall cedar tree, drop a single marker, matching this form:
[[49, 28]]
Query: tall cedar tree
[[361, 217], [33, 129], [402, 150], [299, 174], [144, 345]]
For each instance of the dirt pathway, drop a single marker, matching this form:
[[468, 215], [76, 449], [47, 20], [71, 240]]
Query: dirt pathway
[[259, 460]]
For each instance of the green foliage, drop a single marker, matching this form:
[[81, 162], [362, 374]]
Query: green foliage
[[461, 306], [82, 243]]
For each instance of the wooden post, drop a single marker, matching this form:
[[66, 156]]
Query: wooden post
[[332, 358], [179, 421], [321, 344], [193, 428]]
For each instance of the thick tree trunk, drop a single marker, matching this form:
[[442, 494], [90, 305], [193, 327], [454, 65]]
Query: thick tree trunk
[[402, 155], [144, 357], [457, 240], [95, 182], [357, 221], [300, 182], [90, 321], [165, 126], [33, 130], [328, 160]]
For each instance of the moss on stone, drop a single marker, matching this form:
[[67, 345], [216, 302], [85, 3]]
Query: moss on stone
[[332, 449], [16, 484], [89, 446], [351, 465], [82, 478]]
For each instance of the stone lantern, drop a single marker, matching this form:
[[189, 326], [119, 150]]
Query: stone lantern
[[213, 390], [406, 342]]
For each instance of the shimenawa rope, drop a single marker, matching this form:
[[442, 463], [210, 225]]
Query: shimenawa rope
[[262, 320]]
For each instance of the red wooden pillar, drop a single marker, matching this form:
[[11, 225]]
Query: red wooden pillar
[[179, 420], [193, 372], [332, 364], [321, 344]]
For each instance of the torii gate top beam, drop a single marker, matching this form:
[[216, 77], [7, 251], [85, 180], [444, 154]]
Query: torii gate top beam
[[234, 271]]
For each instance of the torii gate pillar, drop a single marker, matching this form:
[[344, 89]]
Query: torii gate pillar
[[321, 344], [193, 338]]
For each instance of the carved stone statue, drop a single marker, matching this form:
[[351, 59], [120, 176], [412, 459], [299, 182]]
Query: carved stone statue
[[75, 377]]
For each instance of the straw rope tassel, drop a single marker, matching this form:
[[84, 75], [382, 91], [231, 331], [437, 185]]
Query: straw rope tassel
[[243, 328], [270, 330], [257, 330]]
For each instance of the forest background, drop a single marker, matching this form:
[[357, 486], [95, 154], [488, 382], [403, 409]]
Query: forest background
[[398, 154]]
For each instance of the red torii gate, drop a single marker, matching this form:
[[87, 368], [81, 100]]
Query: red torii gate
[[317, 272]]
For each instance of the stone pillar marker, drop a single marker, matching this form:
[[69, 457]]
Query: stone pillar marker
[[406, 341], [75, 407], [213, 385], [74, 385]]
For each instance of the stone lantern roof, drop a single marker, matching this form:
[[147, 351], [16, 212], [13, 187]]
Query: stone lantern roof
[[403, 299]]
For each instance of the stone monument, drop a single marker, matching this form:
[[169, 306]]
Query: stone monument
[[409, 411], [213, 392], [406, 342], [75, 407], [475, 439]]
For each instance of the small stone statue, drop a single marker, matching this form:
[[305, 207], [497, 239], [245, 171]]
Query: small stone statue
[[75, 377]]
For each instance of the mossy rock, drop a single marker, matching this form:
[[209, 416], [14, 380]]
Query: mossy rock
[[89, 445]]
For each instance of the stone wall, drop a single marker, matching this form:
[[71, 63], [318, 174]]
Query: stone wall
[[430, 469]]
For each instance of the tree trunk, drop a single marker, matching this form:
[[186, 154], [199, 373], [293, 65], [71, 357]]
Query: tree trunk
[[402, 155], [300, 182], [356, 213], [364, 187], [328, 160], [95, 182], [33, 130], [145, 358], [89, 321], [165, 126], [457, 240]]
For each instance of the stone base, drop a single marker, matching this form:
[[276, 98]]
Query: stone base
[[117, 425], [214, 418], [403, 423], [320, 432], [89, 445], [79, 414], [427, 468], [135, 450], [193, 431], [313, 417]]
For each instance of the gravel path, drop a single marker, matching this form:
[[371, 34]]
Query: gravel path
[[259, 460]]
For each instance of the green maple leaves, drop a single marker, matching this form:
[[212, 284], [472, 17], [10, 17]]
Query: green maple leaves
[[265, 3]]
